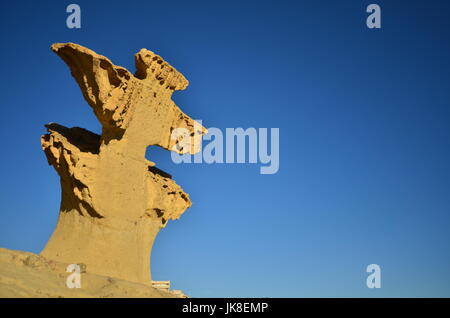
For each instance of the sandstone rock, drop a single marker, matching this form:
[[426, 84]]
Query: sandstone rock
[[20, 277], [114, 201]]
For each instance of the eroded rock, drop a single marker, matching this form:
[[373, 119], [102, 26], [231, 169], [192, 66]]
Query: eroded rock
[[114, 201]]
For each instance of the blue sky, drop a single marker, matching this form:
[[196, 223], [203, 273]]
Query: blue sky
[[364, 138]]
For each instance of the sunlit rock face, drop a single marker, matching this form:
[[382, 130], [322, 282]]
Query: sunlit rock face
[[114, 201]]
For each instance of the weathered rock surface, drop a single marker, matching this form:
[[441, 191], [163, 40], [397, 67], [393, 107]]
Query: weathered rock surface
[[114, 201], [24, 274]]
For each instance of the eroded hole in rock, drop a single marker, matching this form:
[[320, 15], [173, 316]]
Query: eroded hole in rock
[[159, 212]]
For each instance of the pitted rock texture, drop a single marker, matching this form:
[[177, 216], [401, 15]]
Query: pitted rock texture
[[114, 201]]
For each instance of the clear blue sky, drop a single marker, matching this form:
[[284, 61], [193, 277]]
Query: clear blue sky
[[364, 118]]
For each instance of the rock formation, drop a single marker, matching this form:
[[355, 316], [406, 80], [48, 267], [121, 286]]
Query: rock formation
[[114, 201], [24, 274]]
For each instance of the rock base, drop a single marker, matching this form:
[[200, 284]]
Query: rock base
[[24, 274]]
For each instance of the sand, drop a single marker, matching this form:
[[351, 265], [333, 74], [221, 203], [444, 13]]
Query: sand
[[24, 274]]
